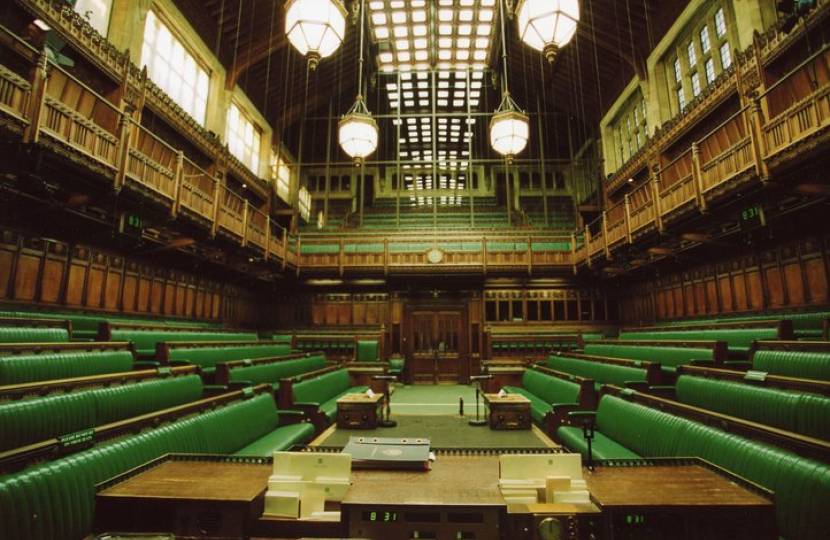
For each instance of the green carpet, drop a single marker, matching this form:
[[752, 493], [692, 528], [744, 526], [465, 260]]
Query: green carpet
[[444, 432], [433, 399]]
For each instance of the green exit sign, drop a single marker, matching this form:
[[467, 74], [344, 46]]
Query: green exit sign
[[751, 217], [131, 225]]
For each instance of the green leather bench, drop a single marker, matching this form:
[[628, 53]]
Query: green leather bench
[[16, 334], [22, 364], [321, 392], [55, 500], [630, 430], [85, 325], [366, 351], [207, 356], [805, 324], [739, 336], [669, 355], [144, 339], [801, 413], [546, 390], [801, 359], [268, 372], [619, 372], [37, 419]]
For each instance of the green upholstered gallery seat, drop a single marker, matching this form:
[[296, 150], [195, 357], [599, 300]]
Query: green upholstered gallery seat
[[366, 350]]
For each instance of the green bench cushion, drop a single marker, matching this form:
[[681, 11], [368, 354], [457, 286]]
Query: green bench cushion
[[281, 439], [367, 351], [804, 365], [325, 390], [738, 339], [601, 447], [668, 357], [18, 334], [273, 372], [543, 391], [791, 411], [599, 372], [208, 357], [145, 341], [40, 418], [44, 367]]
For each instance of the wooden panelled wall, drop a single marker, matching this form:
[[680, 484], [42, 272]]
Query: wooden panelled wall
[[790, 276], [60, 275]]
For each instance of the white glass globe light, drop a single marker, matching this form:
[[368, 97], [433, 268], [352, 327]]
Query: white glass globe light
[[316, 28], [509, 133], [358, 135], [547, 25]]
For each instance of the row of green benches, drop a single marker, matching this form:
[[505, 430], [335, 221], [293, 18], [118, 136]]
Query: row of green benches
[[811, 324], [85, 326], [54, 500], [310, 248], [739, 336], [626, 430]]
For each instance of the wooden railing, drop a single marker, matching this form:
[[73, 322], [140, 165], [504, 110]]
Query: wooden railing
[[162, 172], [616, 225], [231, 214], [256, 232], [14, 95], [595, 235], [197, 192], [677, 183], [641, 210]]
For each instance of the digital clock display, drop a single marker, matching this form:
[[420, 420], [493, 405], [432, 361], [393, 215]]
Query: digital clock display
[[751, 217], [375, 516], [131, 225]]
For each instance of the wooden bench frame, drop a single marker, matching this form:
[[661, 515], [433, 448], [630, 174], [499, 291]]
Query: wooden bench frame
[[19, 322], [799, 444], [807, 386], [53, 449], [10, 349], [44, 388], [720, 350]]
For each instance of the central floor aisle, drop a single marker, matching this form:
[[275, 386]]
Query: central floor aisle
[[433, 412]]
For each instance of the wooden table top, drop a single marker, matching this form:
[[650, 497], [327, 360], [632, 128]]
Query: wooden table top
[[195, 480], [506, 398], [455, 480], [685, 485], [360, 398]]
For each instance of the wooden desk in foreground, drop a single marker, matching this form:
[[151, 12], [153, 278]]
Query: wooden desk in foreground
[[222, 497]]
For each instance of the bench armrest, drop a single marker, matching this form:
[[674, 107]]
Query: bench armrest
[[291, 417], [582, 415], [667, 392], [145, 364], [639, 386], [307, 404], [738, 365]]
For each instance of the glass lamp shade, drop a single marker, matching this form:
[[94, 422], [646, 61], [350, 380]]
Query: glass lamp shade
[[358, 135], [547, 25], [315, 27], [509, 133]]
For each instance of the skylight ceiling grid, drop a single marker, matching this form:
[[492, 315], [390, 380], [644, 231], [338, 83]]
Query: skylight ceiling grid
[[416, 35]]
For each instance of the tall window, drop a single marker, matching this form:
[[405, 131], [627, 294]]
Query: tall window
[[700, 58], [96, 13], [281, 174], [244, 138], [173, 69], [630, 128]]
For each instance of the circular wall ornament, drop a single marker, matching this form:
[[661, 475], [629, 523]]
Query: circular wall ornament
[[435, 256]]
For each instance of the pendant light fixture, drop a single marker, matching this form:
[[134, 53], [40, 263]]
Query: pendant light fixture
[[547, 25], [510, 126], [357, 130], [315, 27]]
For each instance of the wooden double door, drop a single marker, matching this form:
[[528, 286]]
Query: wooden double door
[[437, 346]]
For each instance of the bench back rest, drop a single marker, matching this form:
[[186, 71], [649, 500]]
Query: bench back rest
[[801, 485], [737, 338], [323, 388], [272, 372], [33, 420], [366, 350], [25, 368], [549, 388], [791, 411], [145, 341], [61, 493], [210, 356], [19, 334], [600, 372], [801, 364], [666, 356]]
